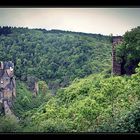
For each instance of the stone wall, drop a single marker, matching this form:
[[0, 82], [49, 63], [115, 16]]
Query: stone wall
[[116, 67]]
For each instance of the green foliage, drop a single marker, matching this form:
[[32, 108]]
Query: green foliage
[[93, 104], [43, 88], [130, 121], [56, 57], [97, 103], [128, 53], [9, 124], [25, 100]]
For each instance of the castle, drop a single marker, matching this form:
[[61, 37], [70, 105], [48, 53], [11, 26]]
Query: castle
[[7, 86]]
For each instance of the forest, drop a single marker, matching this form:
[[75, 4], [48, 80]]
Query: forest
[[77, 91]]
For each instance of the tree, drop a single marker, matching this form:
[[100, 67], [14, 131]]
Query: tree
[[128, 53], [43, 88]]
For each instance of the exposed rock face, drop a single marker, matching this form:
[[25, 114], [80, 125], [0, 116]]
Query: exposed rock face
[[7, 86], [32, 83], [35, 88], [116, 67]]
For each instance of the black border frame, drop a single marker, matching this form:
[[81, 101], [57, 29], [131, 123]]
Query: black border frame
[[69, 4]]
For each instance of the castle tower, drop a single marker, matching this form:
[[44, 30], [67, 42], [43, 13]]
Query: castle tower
[[7, 86], [116, 67]]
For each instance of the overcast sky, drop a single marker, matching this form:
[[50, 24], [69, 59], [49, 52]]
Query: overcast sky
[[89, 20]]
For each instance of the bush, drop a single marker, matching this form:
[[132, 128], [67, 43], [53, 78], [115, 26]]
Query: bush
[[9, 124]]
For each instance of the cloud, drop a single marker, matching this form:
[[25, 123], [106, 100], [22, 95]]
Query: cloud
[[91, 20]]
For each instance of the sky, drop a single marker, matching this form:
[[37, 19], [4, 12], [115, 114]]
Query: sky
[[88, 20]]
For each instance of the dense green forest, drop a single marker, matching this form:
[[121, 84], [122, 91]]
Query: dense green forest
[[92, 99], [55, 56]]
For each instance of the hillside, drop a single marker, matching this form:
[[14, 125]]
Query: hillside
[[97, 103], [55, 56], [86, 100]]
